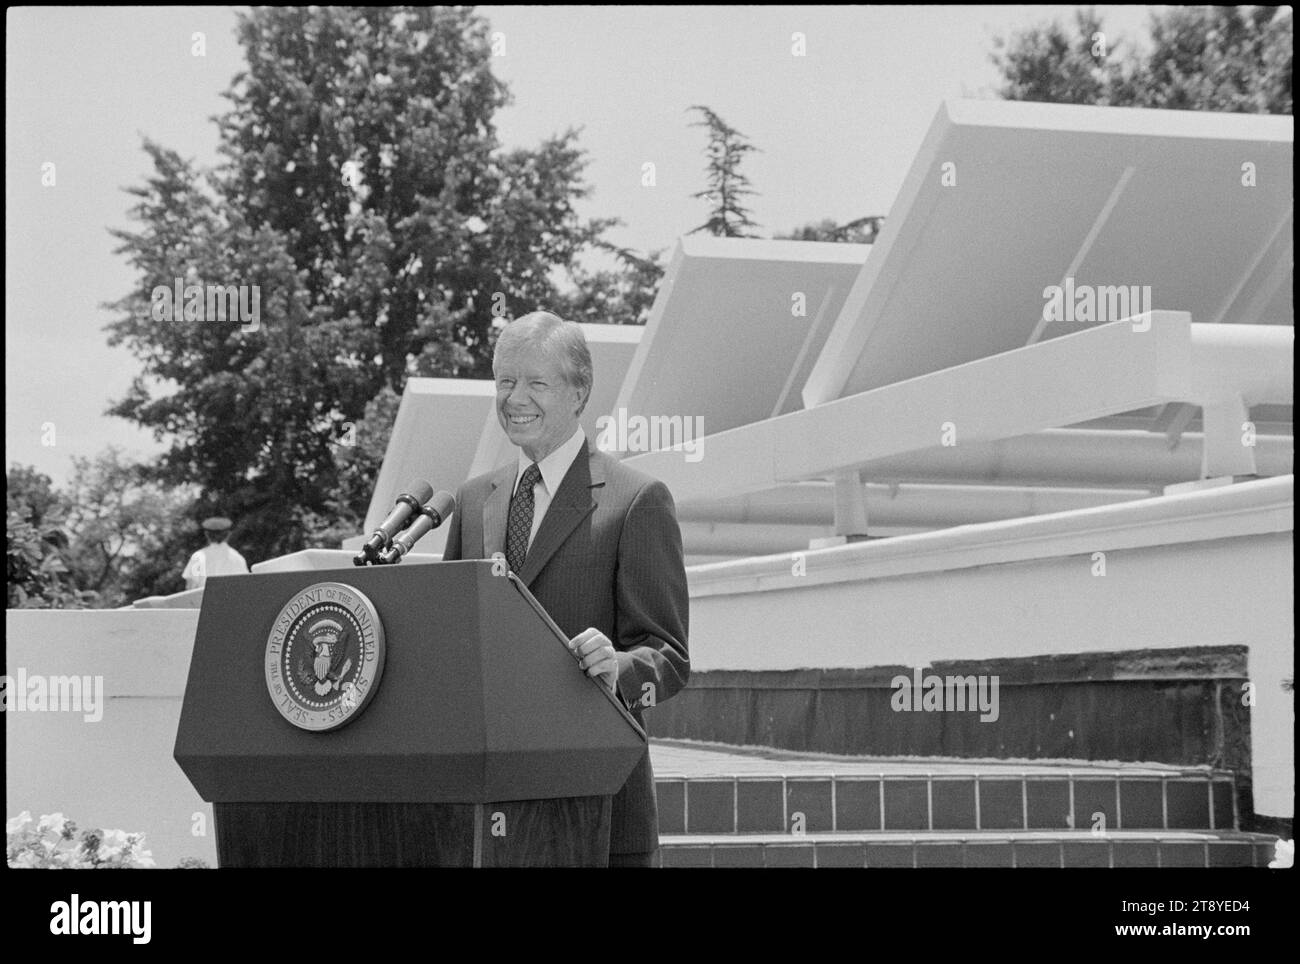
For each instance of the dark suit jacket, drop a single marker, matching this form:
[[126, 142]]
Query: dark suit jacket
[[608, 554]]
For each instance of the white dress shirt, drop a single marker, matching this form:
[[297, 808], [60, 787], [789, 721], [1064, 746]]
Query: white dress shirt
[[553, 468], [214, 559]]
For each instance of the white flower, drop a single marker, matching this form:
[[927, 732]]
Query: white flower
[[1283, 855], [19, 823], [475, 225], [52, 823], [143, 860], [26, 859]]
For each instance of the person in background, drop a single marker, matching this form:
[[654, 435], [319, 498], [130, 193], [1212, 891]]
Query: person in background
[[216, 558]]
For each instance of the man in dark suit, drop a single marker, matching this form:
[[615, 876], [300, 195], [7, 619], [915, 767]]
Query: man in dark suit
[[597, 543]]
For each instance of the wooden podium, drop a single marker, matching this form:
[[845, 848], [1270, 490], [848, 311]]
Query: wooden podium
[[481, 743]]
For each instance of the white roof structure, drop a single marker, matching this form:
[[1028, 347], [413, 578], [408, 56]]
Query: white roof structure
[[434, 438], [736, 327], [1006, 198], [939, 372]]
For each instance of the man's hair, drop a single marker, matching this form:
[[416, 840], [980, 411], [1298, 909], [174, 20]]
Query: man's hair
[[562, 340], [215, 537]]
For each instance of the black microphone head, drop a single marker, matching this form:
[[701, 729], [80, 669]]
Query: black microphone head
[[443, 503], [421, 491]]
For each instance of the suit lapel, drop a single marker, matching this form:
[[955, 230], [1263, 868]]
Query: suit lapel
[[496, 511], [575, 500]]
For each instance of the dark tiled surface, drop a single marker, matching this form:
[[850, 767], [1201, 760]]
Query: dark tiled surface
[[938, 854], [1141, 804], [1037, 803], [988, 854], [1002, 806], [711, 806], [1229, 853], [1134, 853], [1263, 854], [1038, 854], [687, 857], [1182, 854], [812, 798], [889, 855], [907, 805], [971, 852], [1223, 819], [788, 855], [841, 855], [857, 804], [762, 804], [758, 806], [1092, 797], [954, 804], [1048, 803], [1189, 805], [731, 855], [1087, 853], [671, 797]]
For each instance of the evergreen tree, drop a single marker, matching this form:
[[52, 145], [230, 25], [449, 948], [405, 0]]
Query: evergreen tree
[[727, 186]]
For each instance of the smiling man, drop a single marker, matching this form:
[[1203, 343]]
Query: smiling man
[[597, 543]]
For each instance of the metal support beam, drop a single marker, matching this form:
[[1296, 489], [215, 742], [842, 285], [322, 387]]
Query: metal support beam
[[1228, 449], [850, 504]]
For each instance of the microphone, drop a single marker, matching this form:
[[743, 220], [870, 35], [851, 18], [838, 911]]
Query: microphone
[[439, 509], [407, 504]]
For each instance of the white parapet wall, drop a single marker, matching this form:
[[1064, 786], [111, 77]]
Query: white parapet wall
[[116, 771]]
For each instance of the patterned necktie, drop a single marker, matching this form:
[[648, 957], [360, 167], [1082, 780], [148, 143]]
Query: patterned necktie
[[520, 524]]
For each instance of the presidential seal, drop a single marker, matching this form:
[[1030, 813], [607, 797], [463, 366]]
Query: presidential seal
[[324, 656]]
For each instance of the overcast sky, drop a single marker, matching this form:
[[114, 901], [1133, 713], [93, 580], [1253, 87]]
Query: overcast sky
[[837, 128]]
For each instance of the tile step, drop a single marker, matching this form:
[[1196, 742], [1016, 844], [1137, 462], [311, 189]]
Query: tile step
[[1041, 799], [980, 849]]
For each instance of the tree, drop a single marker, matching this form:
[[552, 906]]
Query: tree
[[358, 463], [727, 186], [129, 537], [1234, 59], [1047, 63], [859, 231], [35, 538], [619, 297], [364, 195], [113, 536], [729, 217]]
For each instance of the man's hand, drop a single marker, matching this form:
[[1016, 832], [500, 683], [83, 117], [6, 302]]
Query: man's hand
[[596, 654]]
